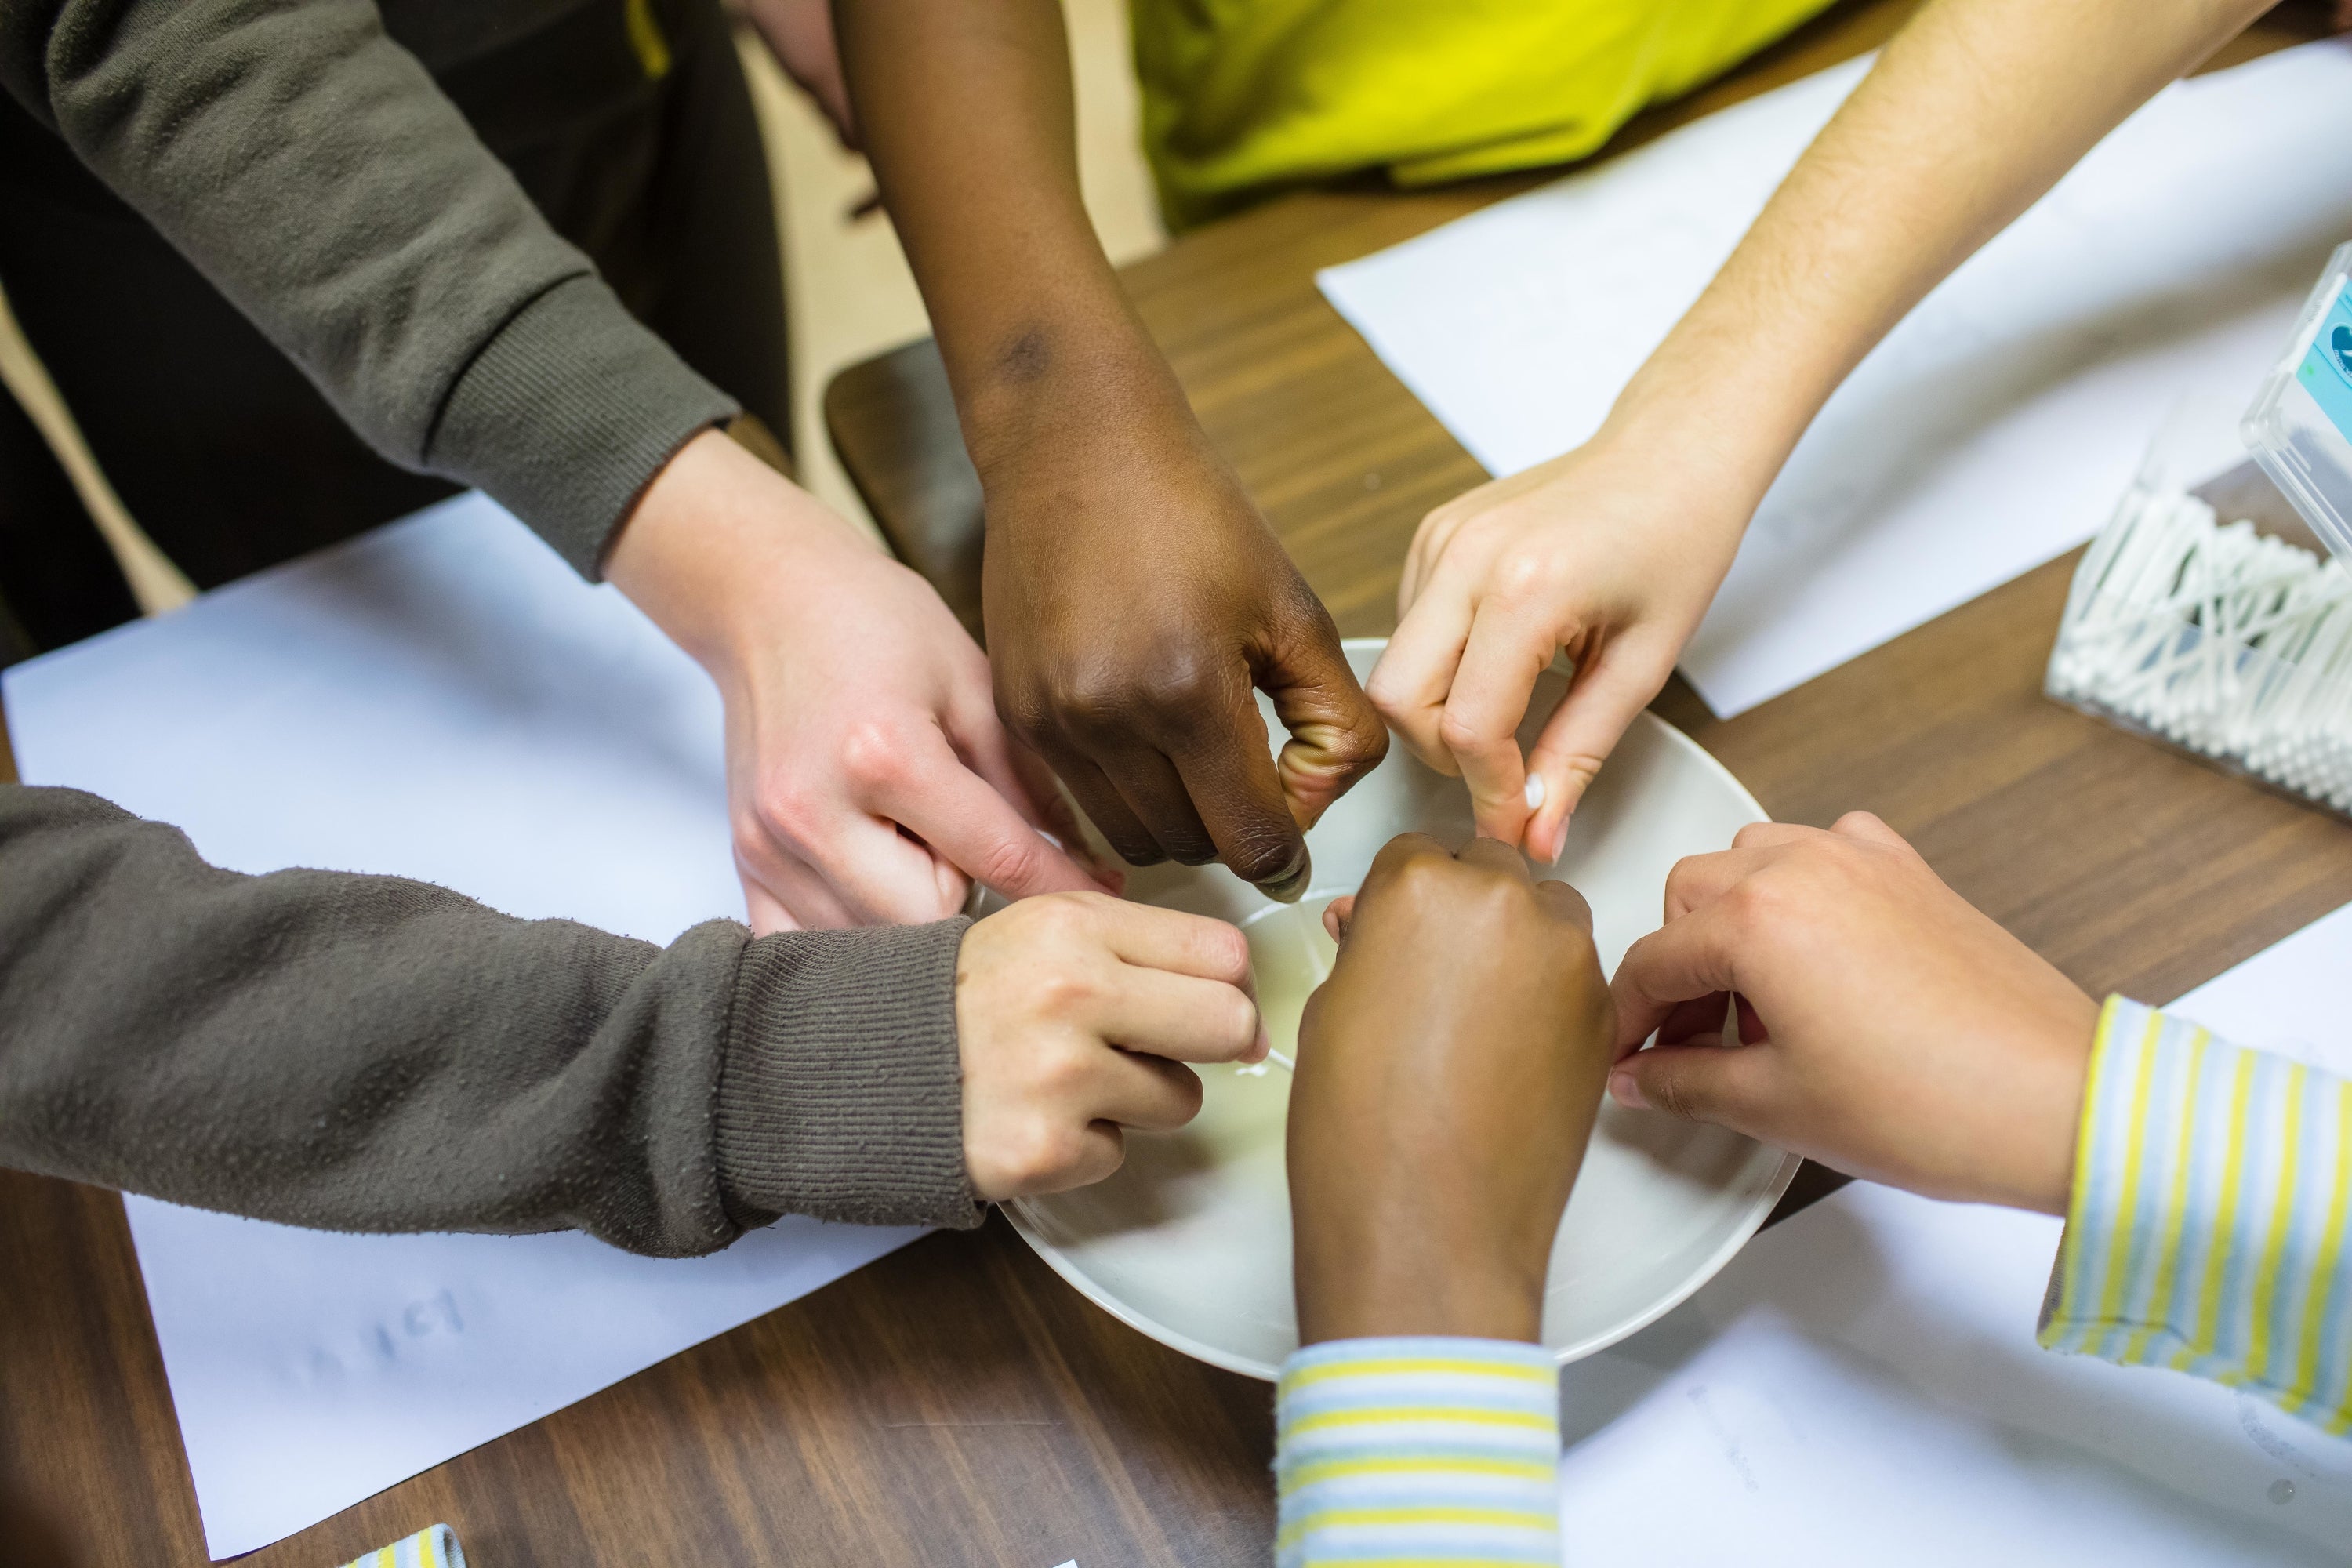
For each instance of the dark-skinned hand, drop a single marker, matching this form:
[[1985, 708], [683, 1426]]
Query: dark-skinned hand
[[1134, 597], [1449, 1073]]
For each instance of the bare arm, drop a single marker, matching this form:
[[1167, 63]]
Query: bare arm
[[1134, 596], [1613, 551], [1976, 109]]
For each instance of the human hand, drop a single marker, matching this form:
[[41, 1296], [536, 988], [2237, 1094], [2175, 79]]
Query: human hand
[[1074, 1017], [867, 777], [1893, 1031], [1448, 1076], [1133, 597], [799, 33], [1612, 552]]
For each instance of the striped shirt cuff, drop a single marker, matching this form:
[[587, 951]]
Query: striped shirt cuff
[[433, 1547], [2207, 1228], [1426, 1451]]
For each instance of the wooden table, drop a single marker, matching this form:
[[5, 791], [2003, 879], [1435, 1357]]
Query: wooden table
[[955, 1402]]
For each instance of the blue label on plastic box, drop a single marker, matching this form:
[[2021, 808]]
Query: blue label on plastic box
[[2326, 370]]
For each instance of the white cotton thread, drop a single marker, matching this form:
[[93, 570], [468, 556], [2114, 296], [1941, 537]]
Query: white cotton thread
[[2218, 638], [1535, 791]]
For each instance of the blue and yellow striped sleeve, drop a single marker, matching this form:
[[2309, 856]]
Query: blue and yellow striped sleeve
[[2207, 1228], [433, 1547], [1437, 1453]]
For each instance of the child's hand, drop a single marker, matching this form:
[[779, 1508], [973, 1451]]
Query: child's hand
[[1612, 552], [1074, 1012], [1448, 1075], [1893, 1032]]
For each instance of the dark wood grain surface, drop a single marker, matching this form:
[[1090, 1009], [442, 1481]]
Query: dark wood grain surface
[[955, 1402]]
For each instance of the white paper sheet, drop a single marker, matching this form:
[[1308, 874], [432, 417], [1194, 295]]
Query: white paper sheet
[[1861, 1388], [440, 699], [1992, 430]]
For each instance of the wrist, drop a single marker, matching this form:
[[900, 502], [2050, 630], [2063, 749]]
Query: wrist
[[1719, 453], [711, 535], [2051, 1089], [1056, 394], [1369, 1283]]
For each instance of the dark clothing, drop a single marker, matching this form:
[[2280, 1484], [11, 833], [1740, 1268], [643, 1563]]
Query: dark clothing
[[213, 211], [368, 1053], [526, 244]]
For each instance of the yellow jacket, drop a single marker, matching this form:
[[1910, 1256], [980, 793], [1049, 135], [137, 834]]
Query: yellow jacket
[[1243, 97]]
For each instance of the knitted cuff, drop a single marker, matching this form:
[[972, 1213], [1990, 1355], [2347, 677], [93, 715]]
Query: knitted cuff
[[433, 1547], [1422, 1448], [841, 1094], [568, 412]]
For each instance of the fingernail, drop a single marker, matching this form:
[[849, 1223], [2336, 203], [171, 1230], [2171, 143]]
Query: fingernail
[[1625, 1091], [1535, 791], [1286, 886], [1561, 849], [1260, 1047]]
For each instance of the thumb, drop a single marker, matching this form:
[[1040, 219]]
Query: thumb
[[1724, 1086], [1336, 735]]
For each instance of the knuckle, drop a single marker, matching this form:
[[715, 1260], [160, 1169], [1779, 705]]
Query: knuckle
[[1226, 952], [1459, 733], [1064, 1069], [1065, 992], [873, 755], [1388, 690], [1041, 1152], [1671, 1093], [786, 810], [1007, 863], [1755, 904], [1189, 1097], [1059, 921], [1235, 1025], [1520, 574]]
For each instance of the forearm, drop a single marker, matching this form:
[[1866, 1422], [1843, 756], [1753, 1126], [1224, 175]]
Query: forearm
[[366, 1053], [965, 109], [2208, 1228], [1974, 111]]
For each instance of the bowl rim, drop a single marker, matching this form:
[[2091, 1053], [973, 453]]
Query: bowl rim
[[1768, 1198]]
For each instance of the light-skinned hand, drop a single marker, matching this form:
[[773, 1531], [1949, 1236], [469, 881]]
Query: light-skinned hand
[[1134, 597], [1449, 1072], [1075, 1015], [1611, 553], [1893, 1031], [799, 33], [868, 779]]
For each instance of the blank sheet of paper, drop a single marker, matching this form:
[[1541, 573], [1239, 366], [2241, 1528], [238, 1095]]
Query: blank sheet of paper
[[440, 699], [1861, 1388], [1993, 429]]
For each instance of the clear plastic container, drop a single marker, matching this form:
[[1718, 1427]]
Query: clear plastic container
[[2300, 426], [2213, 613]]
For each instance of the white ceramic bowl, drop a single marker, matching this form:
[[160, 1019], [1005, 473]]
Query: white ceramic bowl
[[1190, 1241]]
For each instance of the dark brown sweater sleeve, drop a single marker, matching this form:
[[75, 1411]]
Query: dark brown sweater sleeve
[[310, 168], [368, 1053]]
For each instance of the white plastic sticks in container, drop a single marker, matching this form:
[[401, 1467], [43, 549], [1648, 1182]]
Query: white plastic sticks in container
[[2218, 637]]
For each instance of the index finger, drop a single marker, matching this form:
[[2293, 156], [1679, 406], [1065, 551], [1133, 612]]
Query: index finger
[[959, 814], [1691, 957], [1153, 938], [1505, 654]]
